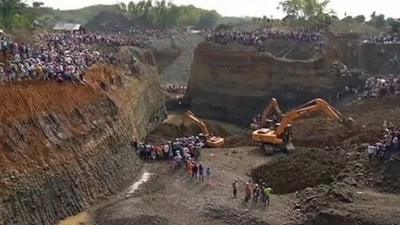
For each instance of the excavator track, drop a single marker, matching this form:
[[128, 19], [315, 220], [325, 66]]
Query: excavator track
[[268, 149], [290, 148]]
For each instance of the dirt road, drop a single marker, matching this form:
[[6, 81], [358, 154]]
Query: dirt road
[[175, 198]]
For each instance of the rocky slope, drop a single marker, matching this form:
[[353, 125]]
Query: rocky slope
[[379, 58], [64, 146], [233, 82], [174, 56]]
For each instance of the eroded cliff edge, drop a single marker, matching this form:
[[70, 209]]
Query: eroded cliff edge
[[64, 146], [233, 83]]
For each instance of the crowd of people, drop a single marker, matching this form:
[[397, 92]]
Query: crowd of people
[[105, 39], [181, 152], [152, 33], [258, 37], [59, 57], [378, 87], [386, 146], [382, 38]]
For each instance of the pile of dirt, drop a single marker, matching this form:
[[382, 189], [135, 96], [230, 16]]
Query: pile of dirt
[[136, 220], [312, 200], [388, 176], [239, 141], [305, 168], [177, 128], [167, 131], [341, 203], [232, 216]]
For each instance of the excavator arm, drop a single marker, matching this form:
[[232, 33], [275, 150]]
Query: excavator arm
[[269, 111], [267, 115], [198, 122], [211, 140], [309, 108]]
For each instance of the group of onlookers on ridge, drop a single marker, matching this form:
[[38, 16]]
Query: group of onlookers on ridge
[[58, 57], [386, 146], [64, 56], [381, 38], [257, 38]]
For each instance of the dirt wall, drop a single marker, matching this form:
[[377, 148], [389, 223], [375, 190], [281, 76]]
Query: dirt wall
[[64, 146], [380, 58], [235, 85]]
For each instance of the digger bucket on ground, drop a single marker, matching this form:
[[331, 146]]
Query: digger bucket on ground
[[348, 122]]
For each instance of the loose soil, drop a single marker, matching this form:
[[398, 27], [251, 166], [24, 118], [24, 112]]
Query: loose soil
[[305, 168], [328, 180]]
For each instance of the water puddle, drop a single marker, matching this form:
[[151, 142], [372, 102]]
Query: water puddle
[[145, 177]]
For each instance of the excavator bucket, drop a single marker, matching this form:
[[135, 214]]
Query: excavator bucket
[[289, 147], [348, 122]]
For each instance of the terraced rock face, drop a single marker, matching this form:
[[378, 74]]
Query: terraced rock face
[[64, 146], [380, 58], [234, 83]]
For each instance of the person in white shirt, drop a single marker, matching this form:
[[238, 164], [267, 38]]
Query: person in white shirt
[[371, 151]]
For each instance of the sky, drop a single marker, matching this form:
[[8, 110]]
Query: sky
[[256, 7]]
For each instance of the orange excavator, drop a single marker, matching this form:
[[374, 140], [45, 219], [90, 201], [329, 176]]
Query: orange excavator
[[278, 137], [211, 140], [271, 114]]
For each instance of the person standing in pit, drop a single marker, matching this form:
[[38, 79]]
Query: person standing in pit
[[234, 188], [256, 195], [194, 170], [201, 172], [208, 175], [247, 191], [267, 192]]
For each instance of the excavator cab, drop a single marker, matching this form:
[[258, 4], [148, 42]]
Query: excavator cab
[[271, 144]]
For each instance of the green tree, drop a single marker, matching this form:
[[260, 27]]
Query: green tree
[[37, 4], [166, 14], [377, 20], [208, 19], [360, 18], [394, 25], [123, 6], [9, 9], [132, 8], [305, 9]]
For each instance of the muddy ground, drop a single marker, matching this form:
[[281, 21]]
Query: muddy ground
[[176, 198], [328, 180]]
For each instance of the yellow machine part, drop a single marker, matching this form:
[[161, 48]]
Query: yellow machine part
[[215, 142], [265, 135]]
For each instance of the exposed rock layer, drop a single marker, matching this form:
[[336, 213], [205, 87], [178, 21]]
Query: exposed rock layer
[[234, 84], [64, 146]]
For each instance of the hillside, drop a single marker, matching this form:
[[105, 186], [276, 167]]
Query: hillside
[[48, 16]]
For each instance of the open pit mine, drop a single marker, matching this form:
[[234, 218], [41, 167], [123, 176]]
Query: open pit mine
[[273, 126]]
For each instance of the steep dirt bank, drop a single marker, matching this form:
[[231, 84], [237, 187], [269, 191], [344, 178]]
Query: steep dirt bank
[[234, 83], [371, 57], [64, 146], [379, 58], [174, 56]]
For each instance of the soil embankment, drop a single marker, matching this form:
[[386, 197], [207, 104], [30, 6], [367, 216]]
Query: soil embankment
[[233, 84], [65, 146]]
